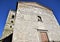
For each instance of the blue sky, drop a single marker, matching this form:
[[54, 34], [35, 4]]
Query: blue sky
[[6, 5]]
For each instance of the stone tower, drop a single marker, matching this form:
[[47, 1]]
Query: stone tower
[[35, 23], [8, 30]]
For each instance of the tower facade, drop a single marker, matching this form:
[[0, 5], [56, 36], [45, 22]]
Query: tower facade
[[8, 29], [35, 23]]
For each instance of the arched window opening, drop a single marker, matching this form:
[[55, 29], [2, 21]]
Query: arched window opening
[[10, 26], [11, 21], [12, 16], [39, 18]]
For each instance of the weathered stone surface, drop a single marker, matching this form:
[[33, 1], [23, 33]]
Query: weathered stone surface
[[7, 29], [27, 27]]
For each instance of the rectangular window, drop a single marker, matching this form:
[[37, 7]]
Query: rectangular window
[[44, 37]]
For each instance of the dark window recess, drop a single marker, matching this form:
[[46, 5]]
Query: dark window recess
[[12, 16], [8, 39], [10, 26], [11, 21], [39, 18]]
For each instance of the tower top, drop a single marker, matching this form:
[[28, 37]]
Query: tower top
[[34, 4]]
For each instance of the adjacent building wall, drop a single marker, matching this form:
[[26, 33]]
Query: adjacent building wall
[[8, 29]]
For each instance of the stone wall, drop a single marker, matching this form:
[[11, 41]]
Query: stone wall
[[27, 25], [8, 29]]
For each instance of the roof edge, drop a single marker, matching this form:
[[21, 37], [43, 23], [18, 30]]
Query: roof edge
[[37, 4]]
